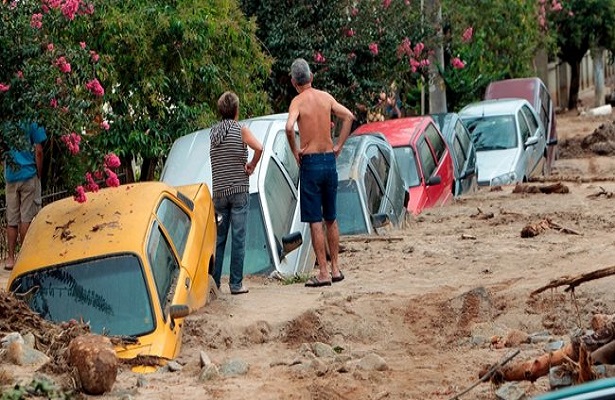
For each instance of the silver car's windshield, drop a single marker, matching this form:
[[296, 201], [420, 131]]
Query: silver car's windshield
[[349, 216], [493, 132], [108, 293], [407, 166]]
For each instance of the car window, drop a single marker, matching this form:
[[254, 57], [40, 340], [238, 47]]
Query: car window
[[349, 216], [407, 166], [523, 127], [373, 190], [427, 161], [439, 147], [493, 132], [379, 162], [460, 156], [545, 107], [110, 293], [281, 201], [531, 119], [165, 267], [176, 222], [283, 153], [463, 136]]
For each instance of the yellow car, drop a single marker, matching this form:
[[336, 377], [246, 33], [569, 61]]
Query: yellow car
[[131, 262]]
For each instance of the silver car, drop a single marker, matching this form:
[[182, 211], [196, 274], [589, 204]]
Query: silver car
[[509, 139], [276, 239], [370, 190]]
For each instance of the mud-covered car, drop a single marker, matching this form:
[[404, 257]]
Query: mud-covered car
[[131, 262], [276, 240]]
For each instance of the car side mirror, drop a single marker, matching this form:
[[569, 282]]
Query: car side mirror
[[531, 141], [291, 242], [434, 180], [178, 311], [379, 220]]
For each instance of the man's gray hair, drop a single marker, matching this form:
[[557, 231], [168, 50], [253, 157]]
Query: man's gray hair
[[300, 72]]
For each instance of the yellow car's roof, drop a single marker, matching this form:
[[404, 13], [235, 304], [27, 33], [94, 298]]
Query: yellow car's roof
[[112, 220]]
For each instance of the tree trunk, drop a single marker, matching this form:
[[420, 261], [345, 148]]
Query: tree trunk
[[575, 81], [437, 89], [148, 169], [598, 61], [127, 166]]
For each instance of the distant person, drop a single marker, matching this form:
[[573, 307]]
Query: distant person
[[311, 109], [22, 173], [231, 186], [390, 105]]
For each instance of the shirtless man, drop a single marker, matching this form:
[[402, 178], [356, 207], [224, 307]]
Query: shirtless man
[[311, 109]]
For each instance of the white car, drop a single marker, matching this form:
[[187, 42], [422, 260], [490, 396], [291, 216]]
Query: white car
[[276, 239], [509, 139]]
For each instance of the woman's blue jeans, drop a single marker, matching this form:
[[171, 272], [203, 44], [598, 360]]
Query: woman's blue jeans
[[233, 210]]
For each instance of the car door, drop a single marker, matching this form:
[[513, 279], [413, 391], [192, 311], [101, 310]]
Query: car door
[[535, 148], [438, 193], [463, 149]]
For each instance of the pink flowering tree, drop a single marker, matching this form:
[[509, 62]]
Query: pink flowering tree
[[50, 75]]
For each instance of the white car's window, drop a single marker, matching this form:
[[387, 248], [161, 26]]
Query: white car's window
[[282, 151], [176, 222], [379, 162], [523, 127], [373, 191], [531, 120], [281, 201]]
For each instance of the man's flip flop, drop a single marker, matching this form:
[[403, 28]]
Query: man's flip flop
[[314, 282], [338, 278], [8, 267]]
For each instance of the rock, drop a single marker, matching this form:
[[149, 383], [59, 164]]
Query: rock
[[516, 337], [10, 338], [95, 362], [208, 373], [234, 367], [323, 350], [510, 391], [20, 354], [174, 366], [560, 377], [373, 362], [204, 359]]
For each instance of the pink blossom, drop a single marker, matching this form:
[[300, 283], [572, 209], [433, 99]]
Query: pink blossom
[[373, 48], [542, 21], [59, 81], [50, 47], [98, 175], [112, 180], [53, 103], [36, 21], [105, 125], [319, 58], [352, 56], [467, 35], [112, 161], [404, 48], [95, 57], [63, 65], [4, 87], [65, 109], [354, 11], [386, 3], [556, 5], [91, 185], [70, 8], [95, 87], [82, 45], [79, 195], [418, 49], [425, 62], [19, 74], [414, 65], [457, 63], [350, 32], [72, 142], [54, 4]]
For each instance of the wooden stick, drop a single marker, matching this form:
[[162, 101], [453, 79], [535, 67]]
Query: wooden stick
[[574, 281], [487, 375], [364, 238]]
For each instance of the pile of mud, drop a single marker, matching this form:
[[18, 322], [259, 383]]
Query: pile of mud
[[52, 339], [601, 142]]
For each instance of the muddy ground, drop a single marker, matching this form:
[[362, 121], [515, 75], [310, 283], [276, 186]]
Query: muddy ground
[[422, 309]]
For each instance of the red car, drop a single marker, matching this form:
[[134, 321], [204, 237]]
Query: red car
[[423, 157]]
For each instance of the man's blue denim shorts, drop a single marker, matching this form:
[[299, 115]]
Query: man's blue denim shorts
[[318, 187]]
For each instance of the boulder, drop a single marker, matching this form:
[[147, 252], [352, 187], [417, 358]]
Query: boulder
[[95, 362]]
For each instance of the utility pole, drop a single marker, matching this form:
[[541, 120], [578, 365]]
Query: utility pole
[[437, 89]]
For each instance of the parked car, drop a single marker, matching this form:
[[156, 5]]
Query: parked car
[[131, 262], [601, 389], [370, 191], [274, 227], [423, 157], [462, 149], [534, 91], [509, 139]]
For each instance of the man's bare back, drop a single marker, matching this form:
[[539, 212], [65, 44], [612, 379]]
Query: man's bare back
[[314, 120]]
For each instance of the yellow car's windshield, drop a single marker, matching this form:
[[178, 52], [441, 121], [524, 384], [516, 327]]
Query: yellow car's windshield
[[108, 293]]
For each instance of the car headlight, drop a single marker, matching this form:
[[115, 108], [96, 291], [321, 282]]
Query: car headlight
[[504, 179]]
